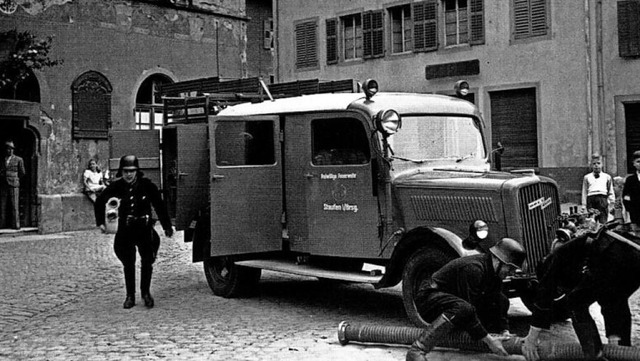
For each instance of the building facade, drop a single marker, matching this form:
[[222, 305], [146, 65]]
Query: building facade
[[115, 56], [554, 79]]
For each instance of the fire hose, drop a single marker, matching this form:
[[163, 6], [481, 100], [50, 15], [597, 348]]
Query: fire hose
[[461, 340]]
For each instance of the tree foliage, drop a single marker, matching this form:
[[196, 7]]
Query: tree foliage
[[20, 53]]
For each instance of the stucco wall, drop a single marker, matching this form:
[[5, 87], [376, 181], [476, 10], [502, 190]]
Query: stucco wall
[[556, 65]]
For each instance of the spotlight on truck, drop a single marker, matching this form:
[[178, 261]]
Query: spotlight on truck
[[461, 88], [388, 122], [370, 88]]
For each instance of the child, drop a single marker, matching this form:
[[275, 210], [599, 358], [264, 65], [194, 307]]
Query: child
[[597, 190]]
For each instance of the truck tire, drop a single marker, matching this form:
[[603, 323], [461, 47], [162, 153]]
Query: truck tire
[[419, 267], [226, 279]]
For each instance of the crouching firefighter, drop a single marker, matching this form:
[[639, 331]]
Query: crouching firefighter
[[135, 225], [466, 294], [598, 267]]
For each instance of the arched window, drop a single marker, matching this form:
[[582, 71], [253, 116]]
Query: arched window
[[148, 111], [27, 89], [91, 106]]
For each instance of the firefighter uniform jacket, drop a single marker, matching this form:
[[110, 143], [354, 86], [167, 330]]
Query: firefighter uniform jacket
[[136, 200], [474, 280], [590, 268]]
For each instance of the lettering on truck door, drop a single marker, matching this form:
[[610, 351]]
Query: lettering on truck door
[[330, 201]]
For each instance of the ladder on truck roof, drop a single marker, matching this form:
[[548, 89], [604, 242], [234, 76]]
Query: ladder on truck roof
[[193, 101]]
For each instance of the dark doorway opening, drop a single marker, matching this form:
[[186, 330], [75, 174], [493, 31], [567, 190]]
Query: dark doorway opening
[[632, 125], [25, 140]]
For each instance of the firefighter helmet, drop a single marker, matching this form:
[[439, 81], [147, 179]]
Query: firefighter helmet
[[509, 252], [129, 162]]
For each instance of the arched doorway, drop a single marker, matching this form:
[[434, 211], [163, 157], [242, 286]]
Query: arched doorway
[[15, 126]]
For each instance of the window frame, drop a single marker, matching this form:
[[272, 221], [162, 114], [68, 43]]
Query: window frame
[[342, 38], [404, 29]]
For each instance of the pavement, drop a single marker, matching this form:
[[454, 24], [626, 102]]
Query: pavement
[[61, 299]]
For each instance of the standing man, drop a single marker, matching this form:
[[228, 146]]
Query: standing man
[[135, 225], [467, 294], [11, 170], [631, 194], [597, 190]]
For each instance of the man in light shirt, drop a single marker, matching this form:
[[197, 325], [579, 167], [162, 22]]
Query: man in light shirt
[[597, 190]]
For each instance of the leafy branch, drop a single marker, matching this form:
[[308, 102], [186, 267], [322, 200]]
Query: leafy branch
[[24, 53]]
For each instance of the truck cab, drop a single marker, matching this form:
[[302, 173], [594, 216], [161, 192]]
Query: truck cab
[[320, 185]]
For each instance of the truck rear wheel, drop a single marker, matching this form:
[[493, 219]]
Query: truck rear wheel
[[420, 266], [226, 279]]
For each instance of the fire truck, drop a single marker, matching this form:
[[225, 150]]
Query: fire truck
[[322, 184]]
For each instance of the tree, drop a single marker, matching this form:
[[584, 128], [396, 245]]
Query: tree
[[21, 53]]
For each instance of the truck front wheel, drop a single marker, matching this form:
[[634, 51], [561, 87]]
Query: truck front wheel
[[420, 266], [226, 279]]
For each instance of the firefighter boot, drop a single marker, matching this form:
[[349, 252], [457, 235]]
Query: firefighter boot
[[428, 338]]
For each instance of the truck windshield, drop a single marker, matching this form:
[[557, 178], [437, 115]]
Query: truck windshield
[[437, 141]]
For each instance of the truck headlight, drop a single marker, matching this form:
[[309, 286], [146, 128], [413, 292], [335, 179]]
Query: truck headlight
[[388, 122], [481, 229]]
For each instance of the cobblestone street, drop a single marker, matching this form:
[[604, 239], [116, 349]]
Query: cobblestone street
[[62, 299]]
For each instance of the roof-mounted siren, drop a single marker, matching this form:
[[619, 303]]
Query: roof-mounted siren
[[370, 88], [461, 88]]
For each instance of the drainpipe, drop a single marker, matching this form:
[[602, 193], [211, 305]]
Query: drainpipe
[[276, 41], [602, 122], [587, 40]]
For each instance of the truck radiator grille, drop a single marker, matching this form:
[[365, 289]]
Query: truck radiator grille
[[539, 210], [453, 208]]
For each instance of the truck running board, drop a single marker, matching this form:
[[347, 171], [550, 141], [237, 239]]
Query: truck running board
[[308, 270]]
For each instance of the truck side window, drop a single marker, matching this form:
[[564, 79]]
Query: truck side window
[[339, 141], [244, 143]]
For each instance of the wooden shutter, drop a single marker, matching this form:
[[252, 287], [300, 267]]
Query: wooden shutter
[[425, 28], [629, 28], [373, 34], [529, 18], [332, 40], [306, 45], [477, 22]]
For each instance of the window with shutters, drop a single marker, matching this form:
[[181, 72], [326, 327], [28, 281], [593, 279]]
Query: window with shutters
[[401, 29], [530, 19], [91, 93], [351, 37], [331, 27], [306, 41], [267, 34], [629, 28], [373, 34]]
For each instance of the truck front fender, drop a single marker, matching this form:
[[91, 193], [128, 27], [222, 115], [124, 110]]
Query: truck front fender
[[418, 238]]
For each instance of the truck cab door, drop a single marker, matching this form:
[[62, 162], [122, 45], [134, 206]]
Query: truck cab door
[[186, 170], [245, 184], [331, 196]]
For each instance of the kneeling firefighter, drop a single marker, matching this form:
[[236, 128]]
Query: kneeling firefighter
[[135, 226], [466, 294]]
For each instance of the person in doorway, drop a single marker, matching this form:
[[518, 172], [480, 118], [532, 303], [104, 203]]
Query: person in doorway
[[137, 195], [631, 194], [597, 190], [11, 170], [94, 180], [467, 294]]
